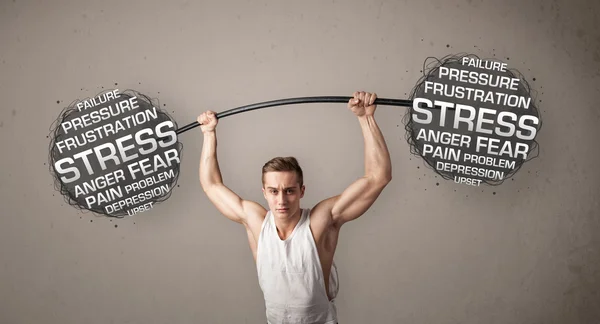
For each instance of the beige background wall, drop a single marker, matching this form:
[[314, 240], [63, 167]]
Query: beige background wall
[[530, 253]]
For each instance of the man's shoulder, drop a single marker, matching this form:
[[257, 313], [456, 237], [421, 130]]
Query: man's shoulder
[[255, 215], [324, 207], [320, 214]]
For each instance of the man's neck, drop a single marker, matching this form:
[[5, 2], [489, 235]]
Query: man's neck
[[285, 227]]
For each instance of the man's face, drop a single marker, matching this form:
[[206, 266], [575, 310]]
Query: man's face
[[282, 192]]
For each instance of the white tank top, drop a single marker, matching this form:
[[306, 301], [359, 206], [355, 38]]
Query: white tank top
[[291, 277]]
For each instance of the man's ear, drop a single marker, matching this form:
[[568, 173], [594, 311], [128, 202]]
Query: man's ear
[[302, 191]]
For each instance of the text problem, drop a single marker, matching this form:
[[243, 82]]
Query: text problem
[[116, 154], [473, 120]]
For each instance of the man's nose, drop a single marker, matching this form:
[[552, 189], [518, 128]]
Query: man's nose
[[281, 197]]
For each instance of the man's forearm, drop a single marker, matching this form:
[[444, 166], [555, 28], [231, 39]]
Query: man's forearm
[[377, 156], [210, 173]]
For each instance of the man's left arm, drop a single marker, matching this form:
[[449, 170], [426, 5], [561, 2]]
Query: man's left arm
[[355, 200]]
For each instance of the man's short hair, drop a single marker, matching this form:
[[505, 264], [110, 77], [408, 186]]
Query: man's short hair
[[281, 164]]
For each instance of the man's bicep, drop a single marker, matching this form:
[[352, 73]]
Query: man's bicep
[[356, 199], [230, 204]]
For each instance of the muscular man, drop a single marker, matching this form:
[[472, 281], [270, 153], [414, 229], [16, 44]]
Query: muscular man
[[293, 247]]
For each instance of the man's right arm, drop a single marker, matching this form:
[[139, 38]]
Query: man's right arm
[[224, 199]]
